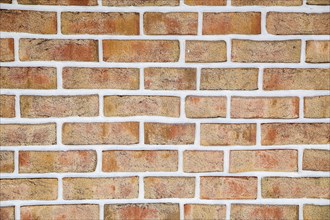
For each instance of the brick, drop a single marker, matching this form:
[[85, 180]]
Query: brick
[[7, 213], [6, 1], [58, 50], [142, 211], [317, 107], [295, 133], [27, 134], [200, 211], [100, 188], [57, 161], [318, 2], [318, 51], [229, 79], [266, 2], [7, 106], [231, 23], [282, 23], [169, 134], [28, 78], [265, 107], [205, 106], [257, 212], [263, 160], [202, 161], [7, 50], [6, 161], [169, 187], [140, 161], [34, 22], [228, 134], [174, 23], [28, 189], [312, 212], [100, 78], [100, 23], [140, 2], [206, 2], [316, 160], [286, 187], [59, 106], [206, 51], [141, 50], [296, 79], [168, 106], [58, 2], [72, 212], [100, 133], [214, 187], [248, 51], [170, 78]]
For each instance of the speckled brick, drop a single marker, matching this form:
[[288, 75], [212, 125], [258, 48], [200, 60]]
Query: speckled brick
[[7, 50], [202, 161], [206, 51], [6, 161], [317, 107], [266, 2], [140, 2], [7, 106], [205, 107], [203, 211], [312, 212], [59, 2], [318, 51], [7, 213], [316, 160]]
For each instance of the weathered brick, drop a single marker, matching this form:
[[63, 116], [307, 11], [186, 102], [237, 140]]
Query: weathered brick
[[265, 107], [72, 212], [174, 23], [317, 107], [312, 212], [286, 187], [34, 22], [28, 189], [214, 187], [200, 211], [100, 78], [100, 133], [59, 106], [257, 212], [7, 106], [170, 78], [228, 134], [142, 211], [57, 161], [206, 2], [6, 1], [6, 162], [141, 50], [295, 133], [100, 23], [141, 2], [318, 51], [7, 50], [296, 79], [27, 134], [169, 134], [202, 161], [318, 2], [248, 51], [229, 79], [205, 106], [169, 187], [7, 213], [317, 160], [263, 160], [140, 161], [58, 2], [232, 23], [142, 105], [266, 2], [27, 78], [206, 51], [290, 23], [100, 188], [58, 50]]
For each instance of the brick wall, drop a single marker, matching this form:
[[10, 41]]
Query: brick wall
[[165, 109]]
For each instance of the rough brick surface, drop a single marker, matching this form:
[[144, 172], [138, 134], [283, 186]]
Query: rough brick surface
[[200, 211], [266, 2], [7, 213], [318, 51], [205, 2], [202, 161], [317, 160], [7, 106], [205, 107], [6, 161], [5, 1], [6, 50], [206, 51], [58, 2], [317, 107], [140, 2], [312, 212], [318, 2]]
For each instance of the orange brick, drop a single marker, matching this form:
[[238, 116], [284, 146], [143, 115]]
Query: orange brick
[[6, 162], [316, 160], [265, 107], [7, 213], [57, 161], [228, 134], [317, 107], [295, 133], [141, 50], [214, 187], [318, 2], [206, 106], [284, 23], [140, 161], [202, 161], [58, 2], [232, 23], [100, 23], [312, 212], [286, 187], [318, 51], [100, 133], [200, 211], [169, 187], [100, 78], [141, 2], [263, 160], [7, 50], [206, 2], [206, 51], [7, 106], [100, 188], [266, 2]]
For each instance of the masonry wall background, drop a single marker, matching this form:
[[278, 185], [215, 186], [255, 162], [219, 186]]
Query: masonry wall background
[[165, 109]]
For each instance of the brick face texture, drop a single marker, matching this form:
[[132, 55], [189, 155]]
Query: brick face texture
[[164, 109]]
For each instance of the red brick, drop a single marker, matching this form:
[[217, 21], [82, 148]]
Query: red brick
[[266, 2], [317, 107], [140, 2], [205, 106], [202, 161], [201, 211], [316, 160], [6, 162], [312, 212], [206, 2], [7, 213], [58, 2], [7, 106], [206, 51], [7, 50], [318, 51]]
